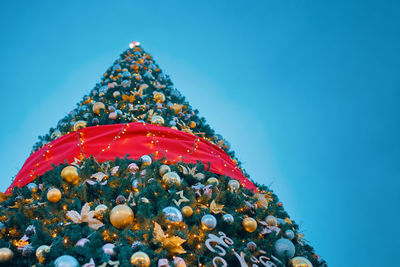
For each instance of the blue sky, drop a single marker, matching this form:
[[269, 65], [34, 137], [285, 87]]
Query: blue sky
[[306, 92]]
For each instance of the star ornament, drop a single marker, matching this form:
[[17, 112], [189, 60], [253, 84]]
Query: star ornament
[[182, 198]]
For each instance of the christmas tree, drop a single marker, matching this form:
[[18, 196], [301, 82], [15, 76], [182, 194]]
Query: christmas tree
[[133, 176]]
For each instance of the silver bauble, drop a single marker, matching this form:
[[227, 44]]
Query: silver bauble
[[284, 248], [32, 187], [209, 221], [234, 185], [81, 242], [289, 234], [172, 214], [228, 218], [66, 261], [146, 160], [109, 249]]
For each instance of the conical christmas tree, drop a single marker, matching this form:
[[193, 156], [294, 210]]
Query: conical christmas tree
[[134, 177]]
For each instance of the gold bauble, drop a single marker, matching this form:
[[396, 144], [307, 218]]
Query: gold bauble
[[171, 178], [5, 254], [70, 174], [192, 124], [121, 216], [300, 262], [271, 220], [79, 125], [249, 224], [158, 120], [116, 94], [159, 97], [234, 185], [100, 211], [164, 169], [54, 195], [213, 180], [97, 107], [187, 211], [40, 251], [140, 259]]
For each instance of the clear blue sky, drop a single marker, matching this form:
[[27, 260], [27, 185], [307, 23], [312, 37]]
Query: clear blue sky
[[307, 92]]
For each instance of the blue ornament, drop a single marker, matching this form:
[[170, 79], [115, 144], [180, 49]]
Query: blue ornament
[[116, 67], [172, 123], [289, 234], [66, 261], [228, 218], [284, 248], [172, 214], [32, 187], [135, 184], [126, 74]]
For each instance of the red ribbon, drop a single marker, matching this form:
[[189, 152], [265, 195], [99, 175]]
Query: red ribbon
[[136, 139]]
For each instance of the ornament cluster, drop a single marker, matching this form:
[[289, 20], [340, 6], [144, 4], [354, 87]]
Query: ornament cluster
[[145, 213], [134, 89]]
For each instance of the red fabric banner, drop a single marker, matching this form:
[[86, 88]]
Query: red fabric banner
[[136, 139]]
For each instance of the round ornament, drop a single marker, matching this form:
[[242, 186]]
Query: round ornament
[[158, 120], [146, 160], [41, 252], [79, 125], [140, 259], [99, 211], [54, 195], [300, 262], [284, 248], [109, 249], [121, 216], [120, 199], [187, 211], [135, 184], [172, 214], [66, 261], [171, 178], [70, 174], [81, 242], [32, 187], [228, 218], [252, 246], [97, 107], [271, 220], [212, 180], [209, 222], [164, 169], [289, 234], [249, 224], [5, 254], [234, 185], [55, 134], [27, 250], [159, 97], [179, 262], [113, 115], [192, 124], [116, 94]]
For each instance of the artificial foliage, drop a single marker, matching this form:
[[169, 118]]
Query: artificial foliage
[[135, 89]]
